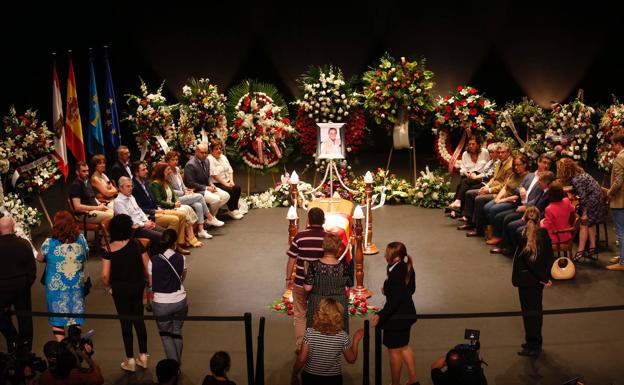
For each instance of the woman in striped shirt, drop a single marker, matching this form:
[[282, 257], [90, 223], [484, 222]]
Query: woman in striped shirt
[[322, 346]]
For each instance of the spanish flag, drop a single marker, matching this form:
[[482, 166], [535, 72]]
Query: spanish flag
[[73, 127]]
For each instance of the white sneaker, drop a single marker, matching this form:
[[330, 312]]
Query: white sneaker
[[214, 222], [204, 234], [235, 214]]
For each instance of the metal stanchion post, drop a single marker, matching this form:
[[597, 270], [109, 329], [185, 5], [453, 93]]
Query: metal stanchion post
[[366, 352], [249, 349]]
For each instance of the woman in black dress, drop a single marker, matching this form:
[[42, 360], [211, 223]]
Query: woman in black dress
[[399, 313], [531, 272], [124, 270]]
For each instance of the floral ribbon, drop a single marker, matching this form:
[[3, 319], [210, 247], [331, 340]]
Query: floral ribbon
[[258, 146], [458, 149], [29, 166], [400, 135], [276, 148]]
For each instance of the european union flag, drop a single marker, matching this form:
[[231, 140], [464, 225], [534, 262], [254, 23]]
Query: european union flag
[[95, 139], [113, 132]]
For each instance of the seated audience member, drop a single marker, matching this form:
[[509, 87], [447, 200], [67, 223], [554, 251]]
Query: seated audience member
[[197, 177], [122, 166], [188, 197], [476, 199], [170, 219], [104, 189], [473, 161], [83, 198], [222, 176], [508, 196], [459, 366], [219, 366], [490, 166], [63, 366], [168, 372], [167, 199], [557, 214], [142, 225], [323, 345], [510, 224]]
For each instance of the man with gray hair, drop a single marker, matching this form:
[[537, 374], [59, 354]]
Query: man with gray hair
[[197, 176], [16, 277]]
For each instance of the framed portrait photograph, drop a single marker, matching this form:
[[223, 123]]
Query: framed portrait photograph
[[330, 141]]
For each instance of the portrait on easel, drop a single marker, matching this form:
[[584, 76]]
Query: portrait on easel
[[330, 141]]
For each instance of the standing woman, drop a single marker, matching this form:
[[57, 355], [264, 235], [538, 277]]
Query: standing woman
[[124, 270], [592, 207], [531, 272], [167, 271], [399, 313], [65, 253]]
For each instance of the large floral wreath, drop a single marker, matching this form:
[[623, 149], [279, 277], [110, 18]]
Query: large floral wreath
[[398, 89], [460, 115], [326, 97], [32, 160], [152, 123], [569, 130], [610, 124], [522, 125], [260, 125], [202, 114]]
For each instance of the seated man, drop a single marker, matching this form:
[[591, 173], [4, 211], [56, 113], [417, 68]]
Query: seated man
[[83, 198], [121, 167], [197, 177], [170, 219], [143, 227]]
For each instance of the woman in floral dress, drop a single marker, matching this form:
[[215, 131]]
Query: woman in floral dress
[[65, 254]]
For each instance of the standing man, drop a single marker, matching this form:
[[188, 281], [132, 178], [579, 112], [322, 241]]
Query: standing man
[[83, 198], [16, 277], [197, 177], [616, 198], [121, 167], [307, 246]]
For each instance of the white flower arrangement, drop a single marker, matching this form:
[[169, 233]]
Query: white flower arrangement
[[25, 217], [277, 196], [432, 190]]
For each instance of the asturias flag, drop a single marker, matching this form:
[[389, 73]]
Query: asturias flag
[[58, 123], [73, 127], [95, 139], [113, 132]]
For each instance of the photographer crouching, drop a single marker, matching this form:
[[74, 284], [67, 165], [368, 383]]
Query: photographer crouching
[[67, 360], [462, 363]]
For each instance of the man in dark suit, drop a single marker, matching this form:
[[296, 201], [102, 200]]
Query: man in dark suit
[[121, 167], [197, 177], [171, 219]]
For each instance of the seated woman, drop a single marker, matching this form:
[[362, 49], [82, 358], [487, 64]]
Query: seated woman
[[328, 278], [506, 197], [473, 161], [557, 213], [104, 189], [166, 199], [188, 197], [323, 344], [222, 176]]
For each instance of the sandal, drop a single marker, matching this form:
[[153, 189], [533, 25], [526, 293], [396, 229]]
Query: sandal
[[195, 242], [579, 255], [592, 253]]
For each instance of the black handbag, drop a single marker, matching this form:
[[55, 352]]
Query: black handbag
[[86, 288]]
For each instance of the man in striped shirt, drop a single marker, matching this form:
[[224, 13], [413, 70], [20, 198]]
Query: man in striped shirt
[[307, 246]]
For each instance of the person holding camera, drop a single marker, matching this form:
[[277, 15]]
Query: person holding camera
[[531, 272], [399, 313], [63, 366], [463, 367]]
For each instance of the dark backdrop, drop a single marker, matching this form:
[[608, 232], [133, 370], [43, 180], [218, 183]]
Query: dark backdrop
[[506, 49]]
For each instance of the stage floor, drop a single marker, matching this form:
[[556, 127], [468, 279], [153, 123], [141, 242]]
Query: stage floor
[[242, 270]]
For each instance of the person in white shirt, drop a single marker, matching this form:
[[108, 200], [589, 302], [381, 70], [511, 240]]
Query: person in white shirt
[[332, 144], [473, 161], [222, 176]]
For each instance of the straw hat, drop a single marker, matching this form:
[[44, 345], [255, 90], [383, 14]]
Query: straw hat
[[563, 268]]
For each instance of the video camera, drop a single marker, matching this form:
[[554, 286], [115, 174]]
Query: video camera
[[21, 364], [466, 365], [76, 341]]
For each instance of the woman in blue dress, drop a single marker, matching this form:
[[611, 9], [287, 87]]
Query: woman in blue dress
[[65, 254]]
